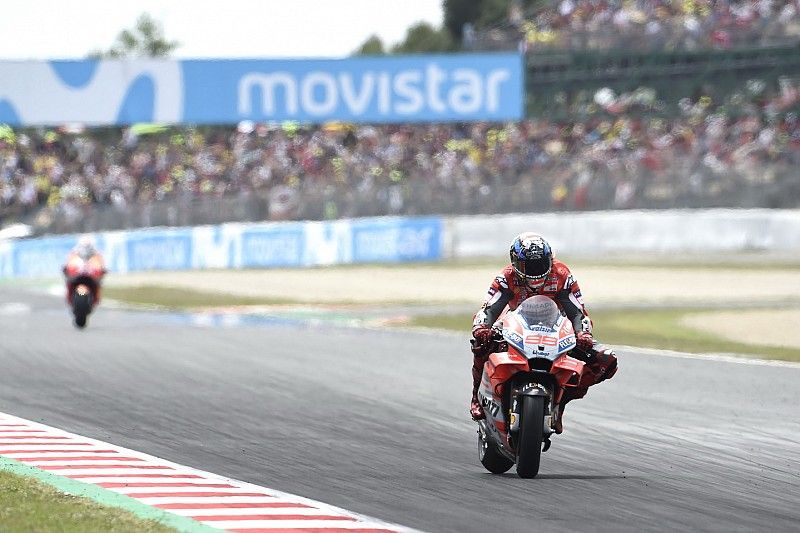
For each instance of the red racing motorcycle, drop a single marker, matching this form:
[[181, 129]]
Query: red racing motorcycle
[[83, 276], [522, 384]]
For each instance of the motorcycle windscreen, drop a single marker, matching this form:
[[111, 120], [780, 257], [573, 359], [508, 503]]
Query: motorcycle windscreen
[[539, 310]]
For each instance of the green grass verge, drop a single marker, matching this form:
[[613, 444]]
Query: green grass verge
[[30, 505], [178, 298], [650, 328]]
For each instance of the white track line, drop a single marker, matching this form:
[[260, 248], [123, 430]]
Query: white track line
[[22, 450], [179, 490], [94, 479], [715, 357], [223, 511], [216, 500], [300, 525]]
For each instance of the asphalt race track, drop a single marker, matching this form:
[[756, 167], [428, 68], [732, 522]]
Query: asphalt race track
[[376, 422]]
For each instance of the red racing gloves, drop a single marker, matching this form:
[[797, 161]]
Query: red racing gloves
[[584, 341], [482, 343]]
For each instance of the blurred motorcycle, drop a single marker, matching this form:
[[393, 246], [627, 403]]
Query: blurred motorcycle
[[522, 384], [83, 276]]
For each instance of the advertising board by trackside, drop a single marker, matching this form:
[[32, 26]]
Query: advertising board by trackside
[[257, 245]]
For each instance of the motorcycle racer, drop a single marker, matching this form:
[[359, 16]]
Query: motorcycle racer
[[535, 271], [85, 252]]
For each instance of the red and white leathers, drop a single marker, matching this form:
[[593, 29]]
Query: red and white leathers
[[82, 264], [507, 291]]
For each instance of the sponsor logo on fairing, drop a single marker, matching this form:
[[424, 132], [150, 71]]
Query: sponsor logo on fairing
[[489, 405], [513, 337], [566, 343]]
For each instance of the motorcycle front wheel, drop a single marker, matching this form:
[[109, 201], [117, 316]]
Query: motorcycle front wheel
[[530, 436], [81, 307]]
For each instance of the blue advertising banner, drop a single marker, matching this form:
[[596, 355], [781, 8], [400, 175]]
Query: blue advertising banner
[[260, 245], [41, 257], [423, 88], [159, 251], [412, 239], [273, 246]]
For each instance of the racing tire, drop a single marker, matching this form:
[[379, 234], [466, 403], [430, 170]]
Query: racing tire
[[81, 307], [530, 436], [491, 459]]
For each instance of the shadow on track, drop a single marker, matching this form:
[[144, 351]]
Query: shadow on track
[[581, 476], [508, 475]]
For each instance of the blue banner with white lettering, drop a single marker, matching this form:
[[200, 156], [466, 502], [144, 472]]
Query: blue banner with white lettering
[[273, 246], [168, 250], [423, 88], [395, 240], [253, 245]]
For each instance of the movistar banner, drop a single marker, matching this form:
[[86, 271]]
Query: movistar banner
[[376, 89]]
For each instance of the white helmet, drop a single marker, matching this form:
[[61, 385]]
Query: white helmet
[[85, 247]]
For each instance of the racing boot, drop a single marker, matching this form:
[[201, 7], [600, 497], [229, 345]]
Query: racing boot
[[475, 408], [605, 363]]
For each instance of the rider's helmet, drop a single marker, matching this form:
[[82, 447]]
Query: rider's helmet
[[85, 248], [532, 259]]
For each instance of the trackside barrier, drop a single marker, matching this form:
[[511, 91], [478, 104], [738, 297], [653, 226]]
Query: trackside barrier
[[601, 232], [288, 244], [397, 239]]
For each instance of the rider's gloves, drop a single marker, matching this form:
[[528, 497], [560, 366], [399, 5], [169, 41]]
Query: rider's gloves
[[483, 340], [584, 341]]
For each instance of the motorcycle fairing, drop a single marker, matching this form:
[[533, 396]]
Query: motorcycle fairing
[[76, 266], [501, 366], [566, 336], [496, 372], [84, 275]]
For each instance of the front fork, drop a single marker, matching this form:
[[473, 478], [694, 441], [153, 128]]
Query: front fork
[[550, 411]]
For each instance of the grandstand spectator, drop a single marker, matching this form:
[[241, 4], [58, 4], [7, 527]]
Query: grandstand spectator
[[613, 158], [644, 24]]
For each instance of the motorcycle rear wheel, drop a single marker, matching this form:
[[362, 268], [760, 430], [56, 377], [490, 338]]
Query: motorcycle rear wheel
[[491, 459], [530, 436]]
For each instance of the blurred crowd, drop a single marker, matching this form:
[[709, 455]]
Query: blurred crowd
[[641, 24], [63, 180]]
